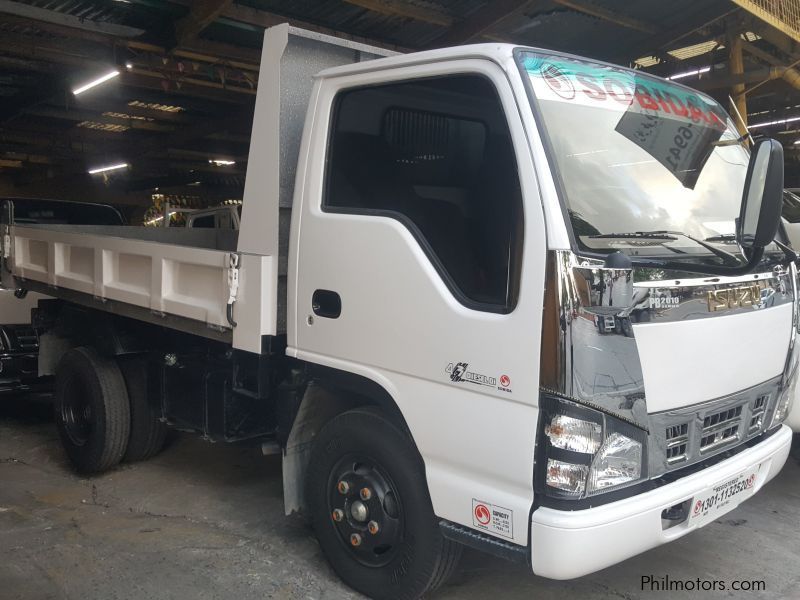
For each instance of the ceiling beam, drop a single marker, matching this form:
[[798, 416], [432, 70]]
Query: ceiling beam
[[761, 55], [729, 80], [168, 79], [201, 15], [21, 64], [668, 39], [775, 37], [261, 19], [396, 8], [479, 22], [248, 15], [771, 16], [79, 115], [604, 14], [121, 106], [235, 122], [35, 13], [196, 49]]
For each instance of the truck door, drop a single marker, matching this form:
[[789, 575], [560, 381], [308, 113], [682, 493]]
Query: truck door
[[418, 263]]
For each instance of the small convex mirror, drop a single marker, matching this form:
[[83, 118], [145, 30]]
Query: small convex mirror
[[759, 216]]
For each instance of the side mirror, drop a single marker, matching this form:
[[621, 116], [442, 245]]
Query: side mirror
[[760, 213]]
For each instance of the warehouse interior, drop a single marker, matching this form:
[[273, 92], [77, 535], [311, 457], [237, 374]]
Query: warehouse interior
[[147, 107], [177, 109]]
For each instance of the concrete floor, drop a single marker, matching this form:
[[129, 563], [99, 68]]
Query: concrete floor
[[206, 521]]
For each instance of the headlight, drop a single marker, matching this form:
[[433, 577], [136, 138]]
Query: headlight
[[584, 452], [619, 462]]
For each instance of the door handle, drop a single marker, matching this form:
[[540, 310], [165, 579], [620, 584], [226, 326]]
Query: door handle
[[327, 304]]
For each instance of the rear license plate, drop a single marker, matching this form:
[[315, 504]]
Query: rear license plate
[[723, 497]]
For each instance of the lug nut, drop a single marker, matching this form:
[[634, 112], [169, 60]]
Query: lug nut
[[343, 487], [373, 527], [365, 493], [355, 539], [338, 515]]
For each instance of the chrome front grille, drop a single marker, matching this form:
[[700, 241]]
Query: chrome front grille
[[720, 429], [677, 442], [758, 412], [685, 436]]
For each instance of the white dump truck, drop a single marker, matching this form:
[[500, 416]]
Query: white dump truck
[[408, 312]]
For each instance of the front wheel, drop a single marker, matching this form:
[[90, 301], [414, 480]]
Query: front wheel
[[371, 509]]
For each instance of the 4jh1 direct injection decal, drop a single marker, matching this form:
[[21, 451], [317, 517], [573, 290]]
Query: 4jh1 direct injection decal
[[460, 373]]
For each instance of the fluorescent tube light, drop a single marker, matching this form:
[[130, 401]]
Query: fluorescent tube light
[[96, 82], [689, 73], [108, 168], [777, 122]]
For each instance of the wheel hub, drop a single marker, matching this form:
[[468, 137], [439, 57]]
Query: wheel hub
[[76, 415], [365, 510], [359, 511]]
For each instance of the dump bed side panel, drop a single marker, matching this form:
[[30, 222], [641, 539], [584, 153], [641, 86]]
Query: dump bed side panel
[[178, 280]]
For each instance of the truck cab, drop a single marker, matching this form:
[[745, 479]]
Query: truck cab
[[491, 210]]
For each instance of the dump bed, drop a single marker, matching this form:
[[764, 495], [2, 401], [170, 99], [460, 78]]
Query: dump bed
[[181, 273], [227, 285]]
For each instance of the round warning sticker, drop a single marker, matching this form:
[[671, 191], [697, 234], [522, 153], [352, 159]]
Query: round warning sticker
[[482, 514]]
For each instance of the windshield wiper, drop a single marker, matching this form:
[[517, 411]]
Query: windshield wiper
[[725, 237], [727, 257], [650, 235]]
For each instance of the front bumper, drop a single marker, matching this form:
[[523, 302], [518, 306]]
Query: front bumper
[[568, 544]]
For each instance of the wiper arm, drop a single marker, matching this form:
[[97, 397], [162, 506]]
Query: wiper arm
[[726, 237], [729, 258], [650, 235], [789, 253]]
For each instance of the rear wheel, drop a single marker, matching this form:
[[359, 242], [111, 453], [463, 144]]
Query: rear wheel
[[371, 510], [91, 410], [147, 430]]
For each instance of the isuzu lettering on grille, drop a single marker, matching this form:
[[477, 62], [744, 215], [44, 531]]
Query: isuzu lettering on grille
[[734, 297]]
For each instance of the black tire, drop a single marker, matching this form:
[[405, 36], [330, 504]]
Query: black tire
[[408, 556], [147, 431], [92, 412], [627, 328]]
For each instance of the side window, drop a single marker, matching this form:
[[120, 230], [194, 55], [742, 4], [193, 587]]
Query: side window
[[435, 154], [791, 207], [204, 222]]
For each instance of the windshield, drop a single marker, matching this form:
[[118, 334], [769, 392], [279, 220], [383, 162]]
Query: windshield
[[636, 156]]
